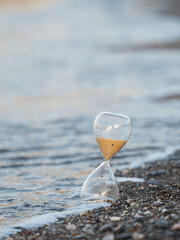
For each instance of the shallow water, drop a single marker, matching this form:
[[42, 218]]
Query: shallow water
[[58, 70]]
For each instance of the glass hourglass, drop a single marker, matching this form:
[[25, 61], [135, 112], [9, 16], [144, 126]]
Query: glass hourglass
[[112, 131]]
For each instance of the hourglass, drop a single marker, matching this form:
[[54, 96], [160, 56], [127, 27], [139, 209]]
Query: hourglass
[[112, 131]]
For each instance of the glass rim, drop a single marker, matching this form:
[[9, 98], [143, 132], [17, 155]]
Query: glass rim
[[114, 114]]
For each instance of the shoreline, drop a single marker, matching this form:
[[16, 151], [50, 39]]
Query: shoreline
[[144, 210]]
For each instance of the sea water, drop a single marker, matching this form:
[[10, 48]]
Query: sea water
[[61, 63]]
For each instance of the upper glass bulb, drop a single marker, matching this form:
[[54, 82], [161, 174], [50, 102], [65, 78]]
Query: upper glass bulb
[[112, 131]]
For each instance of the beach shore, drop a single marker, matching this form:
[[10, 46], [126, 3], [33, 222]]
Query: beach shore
[[144, 210]]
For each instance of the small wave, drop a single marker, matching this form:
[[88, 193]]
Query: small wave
[[48, 218], [131, 179], [156, 156]]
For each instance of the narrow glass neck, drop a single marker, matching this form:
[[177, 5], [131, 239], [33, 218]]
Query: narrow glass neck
[[107, 161]]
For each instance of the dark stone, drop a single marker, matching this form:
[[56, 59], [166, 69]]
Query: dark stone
[[169, 206], [124, 236], [153, 183], [152, 236], [156, 173], [106, 227], [157, 203], [163, 224], [61, 226], [121, 228], [138, 219], [81, 236], [67, 236]]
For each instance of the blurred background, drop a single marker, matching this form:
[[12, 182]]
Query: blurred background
[[63, 62]]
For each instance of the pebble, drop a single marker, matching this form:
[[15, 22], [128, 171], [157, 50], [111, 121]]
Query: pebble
[[109, 236], [123, 236], [157, 203], [138, 216], [125, 211], [129, 200], [84, 213], [163, 224], [137, 236], [169, 206], [151, 221], [80, 236], [153, 183], [163, 210], [120, 228], [115, 219], [140, 212], [147, 213], [123, 220], [71, 227], [106, 227], [156, 173], [87, 227], [134, 205], [136, 226], [176, 226]]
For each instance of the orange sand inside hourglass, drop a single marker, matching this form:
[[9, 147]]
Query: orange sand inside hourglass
[[109, 147]]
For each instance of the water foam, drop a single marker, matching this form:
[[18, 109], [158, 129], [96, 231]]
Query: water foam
[[131, 179], [38, 221], [156, 156], [48, 218]]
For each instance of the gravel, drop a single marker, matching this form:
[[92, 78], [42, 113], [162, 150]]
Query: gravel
[[147, 210]]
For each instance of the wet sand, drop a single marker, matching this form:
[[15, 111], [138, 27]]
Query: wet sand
[[147, 210]]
